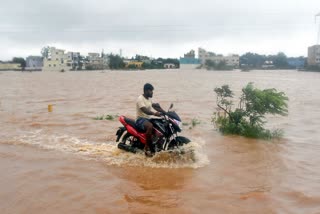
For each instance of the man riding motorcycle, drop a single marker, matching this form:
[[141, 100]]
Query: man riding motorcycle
[[144, 111]]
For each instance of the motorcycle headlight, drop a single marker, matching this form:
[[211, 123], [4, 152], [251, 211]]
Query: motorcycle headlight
[[179, 123]]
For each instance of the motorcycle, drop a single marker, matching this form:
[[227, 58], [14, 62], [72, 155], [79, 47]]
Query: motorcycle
[[164, 136]]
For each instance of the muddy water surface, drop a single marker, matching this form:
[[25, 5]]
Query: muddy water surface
[[64, 161]]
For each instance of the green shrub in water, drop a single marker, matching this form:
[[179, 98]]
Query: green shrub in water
[[248, 119]]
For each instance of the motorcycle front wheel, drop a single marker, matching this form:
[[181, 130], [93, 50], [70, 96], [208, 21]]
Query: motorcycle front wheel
[[182, 140], [178, 141]]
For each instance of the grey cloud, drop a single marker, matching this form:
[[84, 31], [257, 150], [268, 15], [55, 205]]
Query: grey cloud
[[176, 21]]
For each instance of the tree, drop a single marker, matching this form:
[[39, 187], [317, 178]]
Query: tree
[[116, 62], [140, 58], [221, 65], [279, 61], [210, 64], [248, 119], [20, 61], [81, 62], [176, 62], [45, 52], [252, 60]]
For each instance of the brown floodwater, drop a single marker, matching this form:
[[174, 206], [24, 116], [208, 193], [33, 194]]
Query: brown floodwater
[[65, 161]]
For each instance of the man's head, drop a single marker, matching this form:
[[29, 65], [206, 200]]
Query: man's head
[[148, 90]]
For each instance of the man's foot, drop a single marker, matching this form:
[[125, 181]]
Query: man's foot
[[148, 152]]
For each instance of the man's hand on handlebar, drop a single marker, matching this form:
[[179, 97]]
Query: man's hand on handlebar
[[158, 114]]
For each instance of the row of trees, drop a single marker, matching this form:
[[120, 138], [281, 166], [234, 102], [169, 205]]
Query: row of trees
[[117, 62], [279, 61], [212, 65], [256, 61]]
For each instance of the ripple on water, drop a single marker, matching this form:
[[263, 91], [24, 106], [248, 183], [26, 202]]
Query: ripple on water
[[189, 156]]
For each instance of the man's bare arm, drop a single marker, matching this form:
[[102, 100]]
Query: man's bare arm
[[148, 112], [157, 107]]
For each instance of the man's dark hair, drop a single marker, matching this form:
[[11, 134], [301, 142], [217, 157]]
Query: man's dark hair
[[147, 86]]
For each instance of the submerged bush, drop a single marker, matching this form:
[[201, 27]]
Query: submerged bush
[[106, 117], [248, 119], [193, 123]]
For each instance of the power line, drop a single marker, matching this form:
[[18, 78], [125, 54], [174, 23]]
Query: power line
[[155, 28]]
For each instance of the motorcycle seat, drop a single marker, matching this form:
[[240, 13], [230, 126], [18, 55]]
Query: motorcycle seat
[[132, 123]]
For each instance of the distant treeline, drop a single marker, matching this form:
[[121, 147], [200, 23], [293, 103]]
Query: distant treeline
[[279, 61]]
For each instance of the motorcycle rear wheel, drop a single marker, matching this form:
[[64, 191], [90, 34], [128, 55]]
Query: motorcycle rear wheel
[[130, 140]]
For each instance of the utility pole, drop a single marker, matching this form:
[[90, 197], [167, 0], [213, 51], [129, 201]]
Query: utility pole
[[315, 19]]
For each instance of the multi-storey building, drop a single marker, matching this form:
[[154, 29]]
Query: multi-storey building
[[314, 55], [231, 60], [56, 60], [74, 60], [34, 63], [96, 62], [189, 61]]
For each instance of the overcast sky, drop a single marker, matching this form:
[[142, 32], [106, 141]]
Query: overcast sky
[[167, 28]]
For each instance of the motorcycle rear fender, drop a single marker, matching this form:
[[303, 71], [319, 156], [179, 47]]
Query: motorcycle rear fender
[[131, 130], [119, 133], [134, 132]]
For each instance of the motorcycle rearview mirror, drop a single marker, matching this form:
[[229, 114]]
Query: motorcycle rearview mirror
[[171, 106]]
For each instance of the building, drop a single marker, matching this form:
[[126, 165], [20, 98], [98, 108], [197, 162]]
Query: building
[[133, 64], [74, 60], [297, 63], [314, 55], [231, 60], [34, 63], [190, 54], [95, 62], [7, 66], [56, 60], [268, 64], [189, 61], [169, 65]]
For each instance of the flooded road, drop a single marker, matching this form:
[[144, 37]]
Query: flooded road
[[65, 161]]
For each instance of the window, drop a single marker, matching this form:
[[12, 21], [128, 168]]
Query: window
[[54, 65], [49, 65]]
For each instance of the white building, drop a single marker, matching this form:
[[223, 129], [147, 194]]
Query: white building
[[96, 62], [169, 65], [314, 55], [231, 60], [56, 61]]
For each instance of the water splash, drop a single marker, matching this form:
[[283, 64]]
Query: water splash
[[189, 156]]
